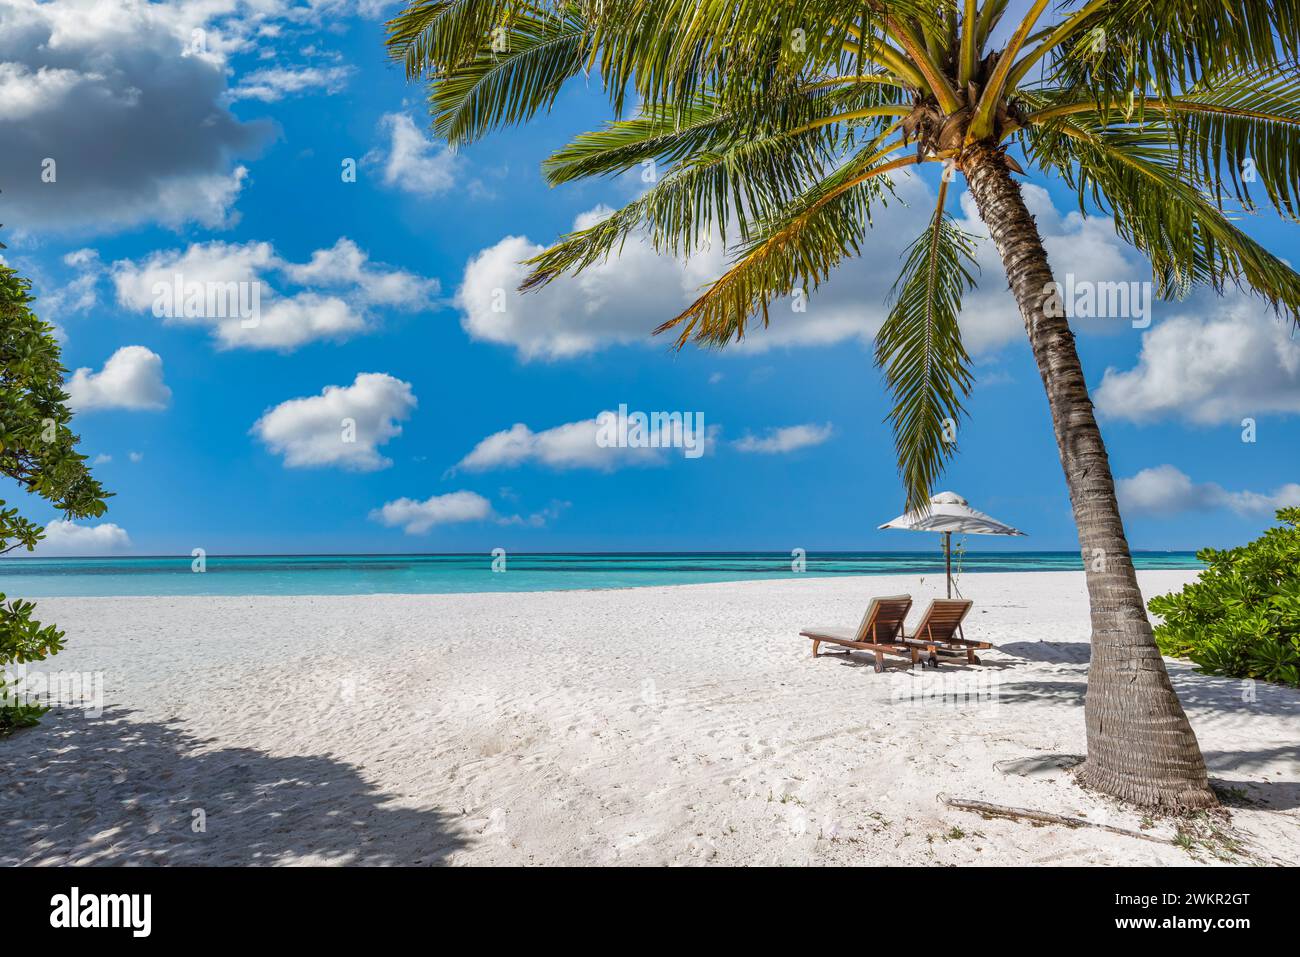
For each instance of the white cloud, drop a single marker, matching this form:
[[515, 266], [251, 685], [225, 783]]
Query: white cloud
[[343, 426], [64, 537], [80, 293], [617, 301], [103, 458], [416, 518], [341, 286], [132, 378], [275, 83], [568, 446], [293, 321], [151, 79], [607, 442], [788, 439], [135, 456], [414, 163], [78, 74], [81, 257], [622, 299], [346, 264], [23, 91], [1237, 361], [536, 519], [1165, 490]]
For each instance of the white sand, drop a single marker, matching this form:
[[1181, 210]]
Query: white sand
[[646, 726]]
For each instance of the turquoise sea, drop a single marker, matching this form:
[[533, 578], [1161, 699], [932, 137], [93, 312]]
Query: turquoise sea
[[442, 574]]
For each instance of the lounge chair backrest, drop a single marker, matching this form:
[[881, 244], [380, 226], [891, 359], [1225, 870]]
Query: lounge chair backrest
[[942, 619], [887, 615]]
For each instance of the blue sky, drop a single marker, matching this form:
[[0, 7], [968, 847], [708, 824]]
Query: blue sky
[[225, 161]]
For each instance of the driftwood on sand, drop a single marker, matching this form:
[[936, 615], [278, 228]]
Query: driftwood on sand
[[1043, 817]]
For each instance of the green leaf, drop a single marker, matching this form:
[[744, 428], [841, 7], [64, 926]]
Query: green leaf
[[919, 348]]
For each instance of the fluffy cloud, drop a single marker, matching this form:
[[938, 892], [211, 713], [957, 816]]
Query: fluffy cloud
[[67, 538], [416, 518], [242, 309], [78, 74], [1208, 369], [132, 378], [788, 439], [342, 427], [536, 519], [151, 79], [616, 301], [1165, 490], [77, 295], [624, 298], [609, 441], [275, 83], [345, 264], [413, 162]]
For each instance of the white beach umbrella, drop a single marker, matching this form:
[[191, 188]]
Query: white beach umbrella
[[948, 513]]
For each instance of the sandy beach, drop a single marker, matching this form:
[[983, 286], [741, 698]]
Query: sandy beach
[[674, 725]]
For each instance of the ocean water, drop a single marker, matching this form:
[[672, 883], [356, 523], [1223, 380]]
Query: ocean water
[[445, 574]]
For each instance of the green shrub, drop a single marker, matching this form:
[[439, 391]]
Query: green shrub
[[1241, 619], [38, 452]]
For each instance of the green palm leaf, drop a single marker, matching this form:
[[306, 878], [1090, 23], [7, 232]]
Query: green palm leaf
[[726, 172], [795, 249], [1136, 176], [1169, 45], [920, 351], [711, 124], [433, 37], [1228, 131], [696, 201], [510, 85]]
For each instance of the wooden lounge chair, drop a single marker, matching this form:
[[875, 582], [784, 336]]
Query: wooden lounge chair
[[881, 632], [939, 632]]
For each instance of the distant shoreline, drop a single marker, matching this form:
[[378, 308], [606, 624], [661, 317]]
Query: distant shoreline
[[320, 575], [7, 559]]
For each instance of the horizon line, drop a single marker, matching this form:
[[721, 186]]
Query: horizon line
[[781, 552]]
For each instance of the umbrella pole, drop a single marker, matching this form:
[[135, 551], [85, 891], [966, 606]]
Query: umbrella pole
[[947, 560]]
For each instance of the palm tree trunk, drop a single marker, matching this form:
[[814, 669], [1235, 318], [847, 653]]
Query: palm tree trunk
[[1141, 747]]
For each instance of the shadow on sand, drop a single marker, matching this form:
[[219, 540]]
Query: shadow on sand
[[115, 791], [1231, 701]]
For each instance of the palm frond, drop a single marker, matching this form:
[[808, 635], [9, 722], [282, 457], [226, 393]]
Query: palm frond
[[723, 171], [511, 81], [1167, 46], [667, 51], [919, 349], [698, 201], [1226, 131], [1133, 174], [664, 51], [986, 107], [711, 124], [795, 249], [432, 37]]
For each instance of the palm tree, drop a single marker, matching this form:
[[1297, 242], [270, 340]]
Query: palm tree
[[775, 124]]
